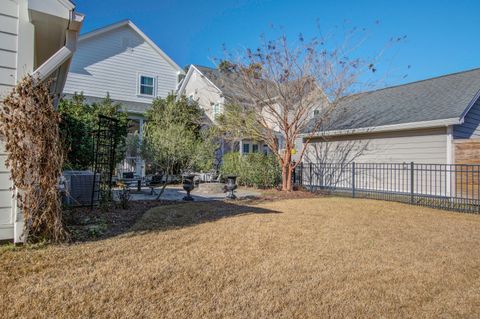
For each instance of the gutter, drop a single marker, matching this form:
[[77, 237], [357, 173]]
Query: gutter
[[63, 54], [388, 128]]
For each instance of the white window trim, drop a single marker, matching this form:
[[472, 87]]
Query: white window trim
[[216, 109], [243, 148], [139, 84]]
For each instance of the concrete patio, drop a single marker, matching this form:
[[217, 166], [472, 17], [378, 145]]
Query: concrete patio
[[176, 193]]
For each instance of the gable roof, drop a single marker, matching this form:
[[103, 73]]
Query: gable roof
[[230, 84], [439, 101], [130, 24], [227, 83]]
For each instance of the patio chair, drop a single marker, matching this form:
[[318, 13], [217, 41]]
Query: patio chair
[[154, 181]]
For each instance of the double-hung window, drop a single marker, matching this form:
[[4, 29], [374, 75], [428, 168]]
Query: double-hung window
[[146, 85], [246, 148], [216, 110]]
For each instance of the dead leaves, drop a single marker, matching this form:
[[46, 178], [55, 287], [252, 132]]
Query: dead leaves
[[29, 125]]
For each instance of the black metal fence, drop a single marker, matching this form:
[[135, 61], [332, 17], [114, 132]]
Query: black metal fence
[[444, 186]]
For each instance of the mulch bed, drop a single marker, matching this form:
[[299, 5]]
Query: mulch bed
[[87, 224], [274, 194]]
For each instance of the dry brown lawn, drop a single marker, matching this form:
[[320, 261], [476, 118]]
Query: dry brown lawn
[[300, 258]]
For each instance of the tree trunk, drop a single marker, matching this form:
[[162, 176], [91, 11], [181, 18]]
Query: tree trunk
[[289, 179], [163, 187], [284, 177], [287, 171]]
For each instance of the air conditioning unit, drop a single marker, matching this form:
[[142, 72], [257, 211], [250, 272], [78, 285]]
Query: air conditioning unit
[[78, 188]]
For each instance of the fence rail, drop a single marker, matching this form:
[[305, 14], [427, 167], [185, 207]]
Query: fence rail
[[444, 186]]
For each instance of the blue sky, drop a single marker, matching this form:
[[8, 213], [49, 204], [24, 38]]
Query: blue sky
[[442, 36]]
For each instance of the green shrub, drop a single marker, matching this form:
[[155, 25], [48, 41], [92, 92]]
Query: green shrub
[[255, 169], [79, 120]]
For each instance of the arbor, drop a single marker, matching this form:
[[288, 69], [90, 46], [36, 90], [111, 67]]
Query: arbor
[[174, 139], [286, 88]]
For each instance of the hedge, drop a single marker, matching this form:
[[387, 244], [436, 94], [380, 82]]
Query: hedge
[[254, 169]]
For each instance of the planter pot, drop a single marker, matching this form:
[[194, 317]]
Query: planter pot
[[188, 186], [231, 186]]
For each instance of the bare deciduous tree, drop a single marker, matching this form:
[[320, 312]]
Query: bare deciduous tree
[[290, 90]]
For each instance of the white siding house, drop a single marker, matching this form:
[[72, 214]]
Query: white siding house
[[212, 89], [198, 87], [37, 37], [122, 61]]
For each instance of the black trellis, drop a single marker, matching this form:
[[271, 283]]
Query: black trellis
[[105, 142]]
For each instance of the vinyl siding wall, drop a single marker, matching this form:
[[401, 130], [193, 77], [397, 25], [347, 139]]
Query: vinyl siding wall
[[112, 62], [419, 146], [204, 93], [471, 125], [427, 146], [9, 21], [8, 44]]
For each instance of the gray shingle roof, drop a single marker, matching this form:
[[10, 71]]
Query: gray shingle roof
[[439, 98], [228, 82]]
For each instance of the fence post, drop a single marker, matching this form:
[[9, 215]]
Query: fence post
[[353, 179], [311, 176], [411, 182], [301, 174], [294, 175]]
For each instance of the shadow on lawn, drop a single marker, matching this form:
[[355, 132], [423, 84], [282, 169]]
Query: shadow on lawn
[[194, 213], [86, 224], [145, 213]]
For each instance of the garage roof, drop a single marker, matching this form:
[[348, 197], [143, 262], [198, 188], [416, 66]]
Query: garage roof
[[447, 97]]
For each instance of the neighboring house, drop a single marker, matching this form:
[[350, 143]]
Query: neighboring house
[[212, 89], [431, 121], [37, 37], [122, 61]]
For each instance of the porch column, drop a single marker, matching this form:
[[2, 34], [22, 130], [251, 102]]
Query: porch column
[[140, 163]]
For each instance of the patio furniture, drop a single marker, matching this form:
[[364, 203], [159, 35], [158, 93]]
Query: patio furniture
[[129, 178], [154, 181]]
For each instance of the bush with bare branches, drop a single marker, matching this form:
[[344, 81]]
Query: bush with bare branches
[[30, 126]]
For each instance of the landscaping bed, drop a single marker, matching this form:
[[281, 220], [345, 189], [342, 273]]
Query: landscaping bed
[[85, 223]]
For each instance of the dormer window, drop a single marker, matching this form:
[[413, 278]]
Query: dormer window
[[146, 85], [316, 113]]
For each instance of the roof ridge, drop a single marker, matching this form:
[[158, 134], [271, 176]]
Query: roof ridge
[[418, 81], [118, 23], [135, 28], [205, 67]]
